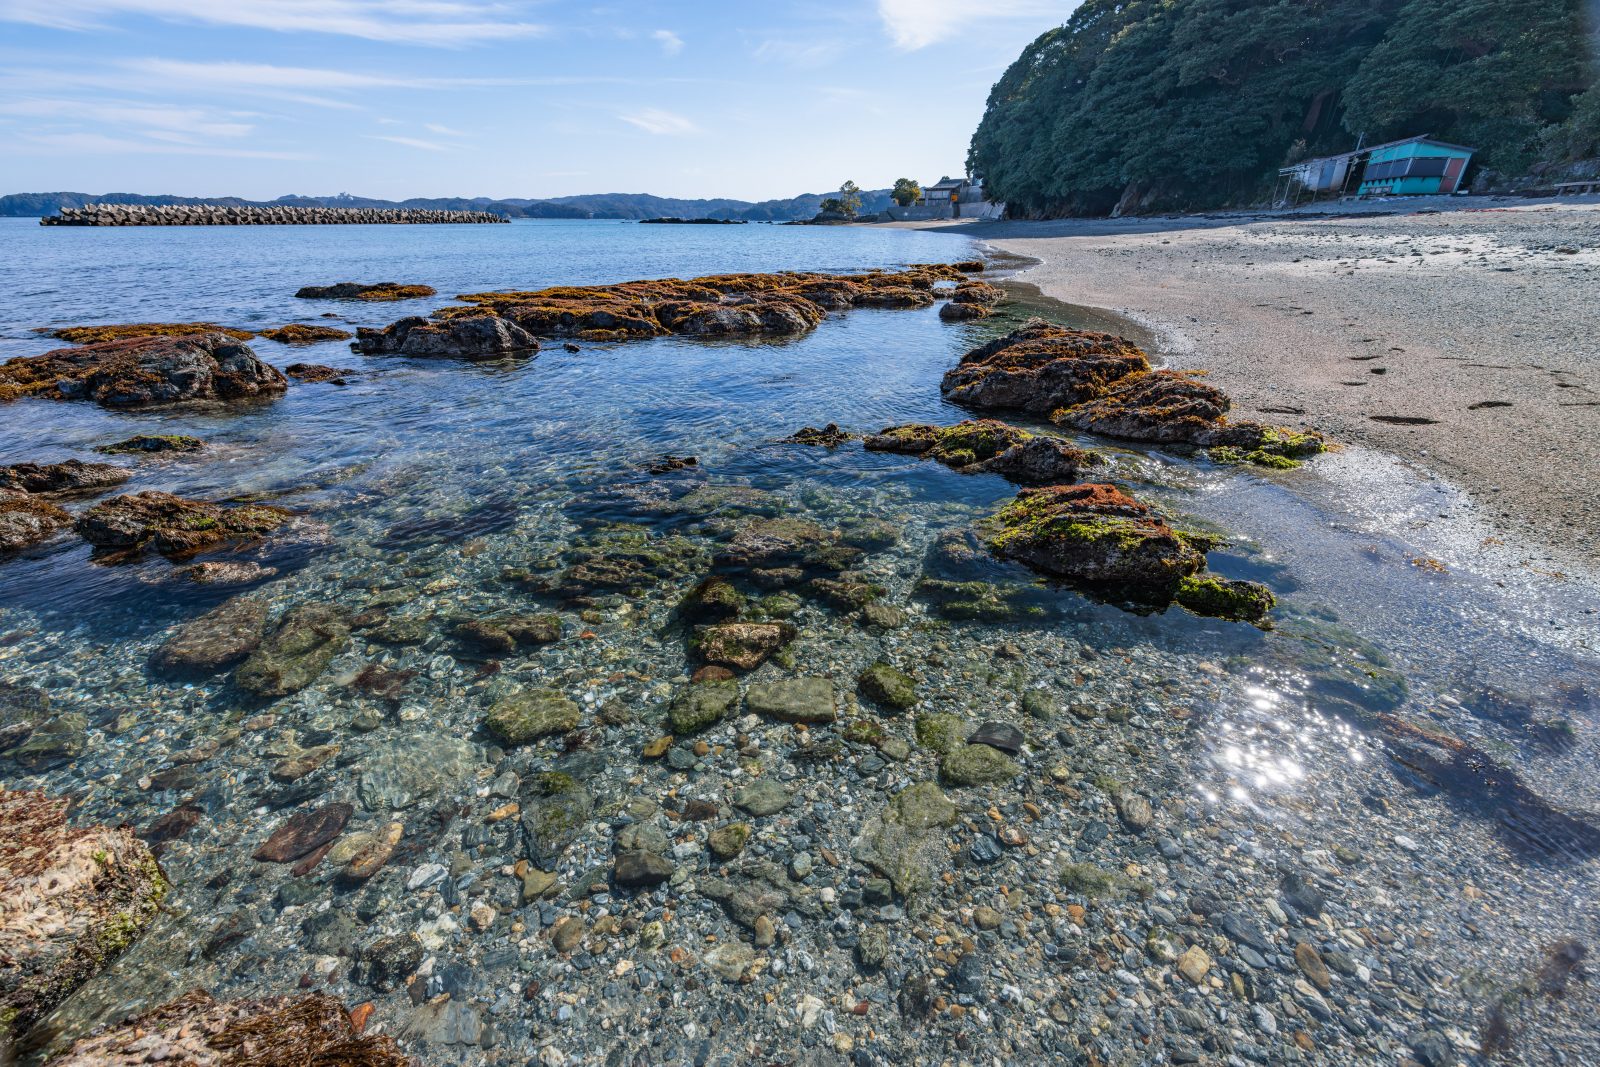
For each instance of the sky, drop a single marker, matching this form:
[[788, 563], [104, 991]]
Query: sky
[[754, 100]]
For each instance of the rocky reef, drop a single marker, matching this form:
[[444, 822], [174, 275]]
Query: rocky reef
[[373, 291], [71, 900], [144, 371], [172, 525], [298, 333], [480, 337], [69, 476], [1099, 537], [25, 520], [714, 306], [160, 442], [200, 1030], [992, 447], [1104, 384], [82, 335]]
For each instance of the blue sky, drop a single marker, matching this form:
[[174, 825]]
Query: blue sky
[[397, 98]]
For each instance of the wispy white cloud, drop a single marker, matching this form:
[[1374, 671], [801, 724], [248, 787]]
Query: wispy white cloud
[[440, 23], [409, 142], [168, 122], [87, 143], [802, 53], [655, 120], [914, 24], [670, 42], [442, 130]]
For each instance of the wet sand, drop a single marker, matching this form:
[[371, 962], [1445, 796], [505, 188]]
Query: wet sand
[[1465, 339]]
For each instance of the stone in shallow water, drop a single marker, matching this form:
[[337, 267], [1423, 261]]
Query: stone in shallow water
[[728, 841], [636, 867], [730, 960], [172, 525], [742, 645], [1000, 735], [304, 832], [297, 652], [763, 796], [530, 714], [69, 476], [26, 521], [141, 371], [555, 809], [905, 843], [702, 705], [399, 774], [804, 699], [220, 638], [976, 765], [887, 686]]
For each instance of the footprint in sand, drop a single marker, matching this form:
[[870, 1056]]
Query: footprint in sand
[[1404, 420], [1480, 405]]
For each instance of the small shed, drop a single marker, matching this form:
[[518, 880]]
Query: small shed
[[1417, 166]]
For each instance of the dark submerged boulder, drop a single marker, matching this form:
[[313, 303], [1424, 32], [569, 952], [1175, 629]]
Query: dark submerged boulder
[[144, 371]]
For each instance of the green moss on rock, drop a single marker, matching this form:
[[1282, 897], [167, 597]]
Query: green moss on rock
[[884, 685], [1225, 598], [531, 714]]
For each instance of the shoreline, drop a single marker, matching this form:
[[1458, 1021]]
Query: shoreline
[[1477, 321]]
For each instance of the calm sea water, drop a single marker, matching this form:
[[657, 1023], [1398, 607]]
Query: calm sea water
[[491, 459]]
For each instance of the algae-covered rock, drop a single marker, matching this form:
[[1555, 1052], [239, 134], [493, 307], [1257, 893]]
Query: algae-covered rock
[[905, 843], [530, 714], [296, 652], [885, 685], [504, 634], [68, 476], [1225, 598], [1041, 367], [922, 806], [702, 705], [25, 521], [374, 291], [726, 842], [168, 442], [299, 333], [478, 337], [742, 645], [172, 525], [940, 732], [714, 599], [764, 796], [801, 700], [142, 371], [71, 900], [990, 446], [555, 809], [311, 1028], [966, 764]]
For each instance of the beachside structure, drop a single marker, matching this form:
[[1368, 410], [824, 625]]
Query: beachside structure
[[1416, 166], [951, 198]]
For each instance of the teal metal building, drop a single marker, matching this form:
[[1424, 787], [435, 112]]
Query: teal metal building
[[1418, 166]]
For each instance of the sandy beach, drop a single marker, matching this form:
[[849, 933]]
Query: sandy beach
[[1462, 335]]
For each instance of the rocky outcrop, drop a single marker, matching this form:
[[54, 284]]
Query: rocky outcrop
[[989, 446], [172, 525], [377, 291], [25, 521], [196, 1029], [1040, 368], [1099, 538], [478, 337], [142, 371], [165, 442], [1167, 406], [298, 333], [70, 476], [1103, 384], [71, 900], [312, 373]]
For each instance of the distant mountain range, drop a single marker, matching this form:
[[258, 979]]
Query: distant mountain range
[[590, 206]]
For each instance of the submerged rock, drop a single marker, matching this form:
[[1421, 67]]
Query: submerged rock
[[197, 1029], [905, 843], [742, 645], [172, 525], [477, 337], [829, 436], [69, 476], [303, 833], [296, 652], [220, 638], [555, 809], [802, 700], [143, 371], [312, 373], [991, 446], [170, 442], [702, 704], [530, 714], [71, 900], [1041, 367], [25, 521], [885, 685], [977, 764]]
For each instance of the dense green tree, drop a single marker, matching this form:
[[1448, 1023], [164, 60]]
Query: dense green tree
[[1192, 103], [850, 198], [905, 192]]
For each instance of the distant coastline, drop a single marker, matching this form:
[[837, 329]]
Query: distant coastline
[[637, 206]]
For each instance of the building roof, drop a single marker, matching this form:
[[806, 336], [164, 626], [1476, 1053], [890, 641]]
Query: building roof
[[1368, 149], [949, 183]]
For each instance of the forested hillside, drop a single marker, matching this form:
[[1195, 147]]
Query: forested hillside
[[1196, 103]]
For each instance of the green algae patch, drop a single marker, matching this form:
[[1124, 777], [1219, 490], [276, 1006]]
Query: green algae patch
[[884, 685], [531, 714]]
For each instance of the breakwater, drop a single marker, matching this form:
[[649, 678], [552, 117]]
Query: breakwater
[[215, 215]]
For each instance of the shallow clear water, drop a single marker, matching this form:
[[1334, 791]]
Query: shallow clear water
[[431, 478]]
